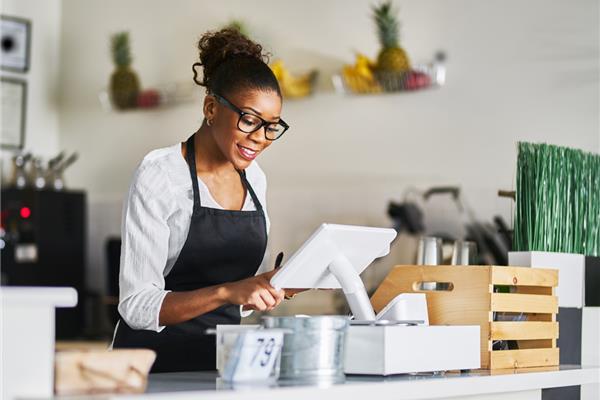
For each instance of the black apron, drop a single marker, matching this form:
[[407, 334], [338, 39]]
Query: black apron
[[221, 246]]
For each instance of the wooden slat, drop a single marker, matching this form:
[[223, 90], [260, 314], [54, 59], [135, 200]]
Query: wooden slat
[[524, 358], [471, 282], [523, 330], [513, 371], [520, 276], [526, 303]]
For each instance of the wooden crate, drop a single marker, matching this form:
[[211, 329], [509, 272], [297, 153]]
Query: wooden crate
[[471, 300]]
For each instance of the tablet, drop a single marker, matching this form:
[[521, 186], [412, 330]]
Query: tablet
[[333, 257]]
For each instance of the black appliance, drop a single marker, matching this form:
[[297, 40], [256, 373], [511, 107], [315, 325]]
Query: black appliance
[[43, 240]]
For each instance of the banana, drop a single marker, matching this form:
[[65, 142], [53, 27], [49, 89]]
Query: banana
[[293, 86], [359, 77]]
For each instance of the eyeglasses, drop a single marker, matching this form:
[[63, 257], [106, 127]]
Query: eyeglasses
[[249, 123]]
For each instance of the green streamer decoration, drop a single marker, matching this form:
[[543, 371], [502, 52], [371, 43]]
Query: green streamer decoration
[[557, 200]]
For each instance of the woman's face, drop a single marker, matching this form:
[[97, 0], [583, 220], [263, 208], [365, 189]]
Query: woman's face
[[238, 147]]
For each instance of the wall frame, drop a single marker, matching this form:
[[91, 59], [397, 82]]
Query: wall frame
[[16, 43], [13, 92]]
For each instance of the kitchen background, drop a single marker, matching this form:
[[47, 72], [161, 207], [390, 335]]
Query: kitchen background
[[516, 71]]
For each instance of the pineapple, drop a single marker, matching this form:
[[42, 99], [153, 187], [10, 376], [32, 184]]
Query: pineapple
[[124, 83], [238, 25], [391, 58]]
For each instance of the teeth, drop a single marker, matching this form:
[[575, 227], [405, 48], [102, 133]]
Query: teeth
[[247, 150]]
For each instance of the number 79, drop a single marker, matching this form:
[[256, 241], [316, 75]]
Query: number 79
[[264, 348]]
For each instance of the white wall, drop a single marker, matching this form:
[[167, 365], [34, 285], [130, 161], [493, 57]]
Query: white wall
[[41, 135], [516, 71]]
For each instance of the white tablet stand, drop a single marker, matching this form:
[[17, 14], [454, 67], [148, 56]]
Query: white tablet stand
[[333, 257]]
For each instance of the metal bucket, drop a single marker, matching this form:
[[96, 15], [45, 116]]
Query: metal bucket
[[314, 347]]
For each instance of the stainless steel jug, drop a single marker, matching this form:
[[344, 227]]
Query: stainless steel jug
[[313, 348]]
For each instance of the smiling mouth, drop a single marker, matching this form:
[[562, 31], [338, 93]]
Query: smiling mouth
[[247, 153]]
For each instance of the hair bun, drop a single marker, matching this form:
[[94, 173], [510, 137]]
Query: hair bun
[[216, 47]]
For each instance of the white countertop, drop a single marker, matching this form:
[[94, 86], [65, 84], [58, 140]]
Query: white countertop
[[206, 385], [38, 295]]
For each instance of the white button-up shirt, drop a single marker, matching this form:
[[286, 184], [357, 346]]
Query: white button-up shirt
[[155, 224]]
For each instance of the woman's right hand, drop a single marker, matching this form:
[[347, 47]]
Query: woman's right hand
[[254, 293]]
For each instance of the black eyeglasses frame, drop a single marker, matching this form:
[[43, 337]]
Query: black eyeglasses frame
[[242, 113]]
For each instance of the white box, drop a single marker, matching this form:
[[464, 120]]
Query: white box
[[400, 349], [590, 348], [590, 336], [571, 273], [28, 339]]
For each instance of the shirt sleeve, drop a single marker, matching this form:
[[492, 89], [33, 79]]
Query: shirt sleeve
[[144, 248], [246, 313]]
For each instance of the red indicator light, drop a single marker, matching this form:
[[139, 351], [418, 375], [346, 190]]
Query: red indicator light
[[25, 212]]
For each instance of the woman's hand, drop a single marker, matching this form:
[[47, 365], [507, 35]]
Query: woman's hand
[[289, 293], [254, 293]]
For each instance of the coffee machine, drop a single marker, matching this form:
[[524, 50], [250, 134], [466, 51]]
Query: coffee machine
[[42, 242]]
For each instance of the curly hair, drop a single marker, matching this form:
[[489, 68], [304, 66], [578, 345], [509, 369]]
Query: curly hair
[[230, 61]]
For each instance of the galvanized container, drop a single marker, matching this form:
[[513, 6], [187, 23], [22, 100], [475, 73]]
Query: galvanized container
[[313, 348]]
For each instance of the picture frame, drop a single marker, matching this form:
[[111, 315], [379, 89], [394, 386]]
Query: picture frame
[[16, 43], [13, 92]]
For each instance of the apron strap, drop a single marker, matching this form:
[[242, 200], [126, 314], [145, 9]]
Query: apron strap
[[250, 190], [190, 156]]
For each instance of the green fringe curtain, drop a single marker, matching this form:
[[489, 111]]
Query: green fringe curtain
[[557, 200]]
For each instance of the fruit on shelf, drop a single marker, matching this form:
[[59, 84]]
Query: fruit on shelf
[[364, 66], [359, 77], [293, 86], [124, 83], [416, 80], [392, 70], [148, 98], [391, 58]]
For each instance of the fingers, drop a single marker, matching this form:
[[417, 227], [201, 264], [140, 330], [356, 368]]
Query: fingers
[[278, 295], [275, 295], [262, 296], [268, 299], [258, 303], [262, 300]]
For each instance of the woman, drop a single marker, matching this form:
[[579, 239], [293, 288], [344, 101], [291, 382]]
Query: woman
[[194, 223]]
